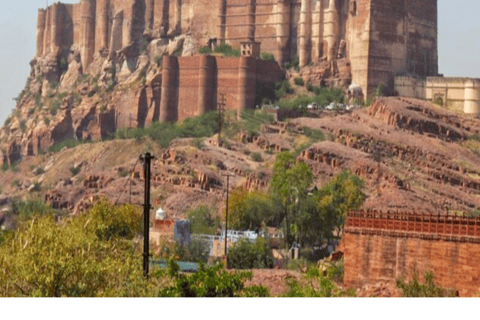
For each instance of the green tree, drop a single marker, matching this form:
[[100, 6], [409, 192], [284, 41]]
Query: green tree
[[247, 255], [342, 194], [91, 255], [248, 210], [201, 221], [289, 186]]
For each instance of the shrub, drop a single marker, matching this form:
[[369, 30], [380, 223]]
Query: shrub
[[210, 282], [315, 135], [201, 221], [428, 289], [310, 87], [267, 56], [75, 170], [205, 50], [69, 143], [158, 60], [247, 255], [54, 107], [90, 255], [198, 143], [7, 121], [299, 81], [226, 50], [25, 209], [283, 88], [5, 167], [257, 157]]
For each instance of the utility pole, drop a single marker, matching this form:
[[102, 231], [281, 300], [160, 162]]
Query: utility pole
[[147, 160], [228, 175], [221, 111]]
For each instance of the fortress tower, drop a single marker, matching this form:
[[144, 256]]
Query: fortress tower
[[358, 41]]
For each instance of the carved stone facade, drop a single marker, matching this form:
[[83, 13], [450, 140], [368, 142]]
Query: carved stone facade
[[373, 39]]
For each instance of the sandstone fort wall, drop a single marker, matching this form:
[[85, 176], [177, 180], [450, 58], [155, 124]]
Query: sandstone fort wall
[[380, 38], [457, 94], [383, 247]]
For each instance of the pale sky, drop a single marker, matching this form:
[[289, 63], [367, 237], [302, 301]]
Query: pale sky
[[458, 43]]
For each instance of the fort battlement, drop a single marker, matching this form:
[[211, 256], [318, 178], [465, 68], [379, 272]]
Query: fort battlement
[[384, 246], [378, 40]]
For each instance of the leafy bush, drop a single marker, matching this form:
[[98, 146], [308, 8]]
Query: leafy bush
[[299, 81], [198, 143], [247, 255], [227, 50], [325, 284], [282, 89], [54, 107], [248, 210], [72, 258], [205, 50], [205, 125], [158, 60], [257, 157], [201, 221], [210, 282], [69, 144], [267, 56], [315, 135], [25, 209], [428, 289], [75, 170]]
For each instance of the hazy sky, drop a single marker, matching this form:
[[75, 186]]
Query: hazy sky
[[458, 43]]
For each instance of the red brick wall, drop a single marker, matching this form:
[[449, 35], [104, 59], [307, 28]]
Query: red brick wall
[[225, 81], [384, 248]]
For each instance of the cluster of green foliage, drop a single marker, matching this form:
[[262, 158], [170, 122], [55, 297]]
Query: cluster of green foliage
[[318, 284], [282, 89], [210, 282], [98, 254], [68, 143], [267, 56], [249, 210], [313, 215], [257, 157], [322, 97], [83, 256], [428, 289], [195, 251], [380, 91], [299, 82], [163, 133], [202, 221], [295, 63], [247, 255], [224, 49], [75, 170]]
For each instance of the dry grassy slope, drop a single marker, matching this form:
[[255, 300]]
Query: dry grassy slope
[[411, 154]]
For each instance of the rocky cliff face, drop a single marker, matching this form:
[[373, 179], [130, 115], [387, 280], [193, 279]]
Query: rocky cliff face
[[93, 59]]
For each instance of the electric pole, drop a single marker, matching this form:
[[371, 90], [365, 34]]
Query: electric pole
[[228, 175], [147, 160], [221, 112]]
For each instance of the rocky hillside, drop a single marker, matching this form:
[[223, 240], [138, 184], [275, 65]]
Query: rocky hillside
[[411, 154]]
